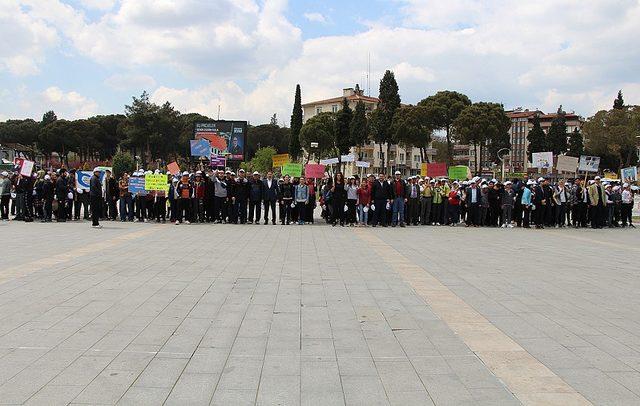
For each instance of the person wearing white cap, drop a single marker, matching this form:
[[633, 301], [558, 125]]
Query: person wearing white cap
[[627, 205], [526, 202], [183, 199], [507, 201], [561, 199], [472, 203], [242, 197], [47, 199], [597, 204], [399, 192], [95, 198], [5, 195], [426, 200]]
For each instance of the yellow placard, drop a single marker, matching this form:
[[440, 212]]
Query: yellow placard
[[280, 160], [423, 169], [156, 182]]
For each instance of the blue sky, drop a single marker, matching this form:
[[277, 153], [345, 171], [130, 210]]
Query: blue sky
[[86, 57]]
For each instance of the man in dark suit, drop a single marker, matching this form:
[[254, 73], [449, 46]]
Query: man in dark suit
[[270, 196], [472, 201], [381, 194], [95, 197]]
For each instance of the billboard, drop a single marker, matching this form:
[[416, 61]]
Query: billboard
[[227, 138]]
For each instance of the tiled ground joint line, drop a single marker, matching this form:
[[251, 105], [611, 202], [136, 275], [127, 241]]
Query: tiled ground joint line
[[38, 264], [526, 377]]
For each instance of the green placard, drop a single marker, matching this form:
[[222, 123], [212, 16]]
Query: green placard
[[291, 169], [156, 182], [459, 172]]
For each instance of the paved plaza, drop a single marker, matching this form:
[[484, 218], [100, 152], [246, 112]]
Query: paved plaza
[[147, 314]]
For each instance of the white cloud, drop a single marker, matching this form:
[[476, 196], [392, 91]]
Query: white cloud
[[69, 105], [130, 82], [103, 5], [315, 17], [24, 40]]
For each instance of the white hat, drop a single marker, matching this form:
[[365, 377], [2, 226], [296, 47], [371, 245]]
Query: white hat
[[96, 169], [232, 173], [591, 181], [227, 171], [625, 184], [398, 173], [597, 178], [540, 179], [455, 182], [494, 180], [531, 182], [157, 171], [256, 173], [241, 170], [432, 181], [185, 173], [5, 173], [507, 182], [198, 173], [485, 186], [46, 177]]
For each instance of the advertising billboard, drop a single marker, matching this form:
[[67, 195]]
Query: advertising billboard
[[227, 138]]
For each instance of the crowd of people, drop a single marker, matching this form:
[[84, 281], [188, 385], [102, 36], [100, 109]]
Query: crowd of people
[[226, 197]]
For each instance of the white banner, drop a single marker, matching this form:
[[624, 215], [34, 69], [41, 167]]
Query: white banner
[[567, 163], [82, 179], [329, 161], [362, 164], [542, 160], [27, 168], [629, 174], [347, 158], [589, 163]]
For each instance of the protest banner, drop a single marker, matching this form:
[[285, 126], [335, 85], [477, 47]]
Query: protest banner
[[291, 169], [103, 169], [542, 160], [423, 169], [83, 179], [137, 185], [329, 161], [173, 168], [567, 164], [436, 170], [26, 168], [156, 182], [589, 163], [315, 171], [629, 174], [347, 158], [459, 172], [200, 147], [363, 164], [218, 161], [280, 160]]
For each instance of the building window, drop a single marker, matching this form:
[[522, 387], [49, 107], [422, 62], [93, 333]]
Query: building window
[[416, 158], [334, 108], [401, 157], [318, 109]]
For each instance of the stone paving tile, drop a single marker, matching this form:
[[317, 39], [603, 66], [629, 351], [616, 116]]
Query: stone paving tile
[[300, 322]]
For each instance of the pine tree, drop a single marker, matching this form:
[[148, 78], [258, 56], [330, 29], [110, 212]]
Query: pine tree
[[48, 118], [296, 124], [576, 144], [358, 127], [618, 103], [387, 106], [536, 138], [342, 130], [557, 135]]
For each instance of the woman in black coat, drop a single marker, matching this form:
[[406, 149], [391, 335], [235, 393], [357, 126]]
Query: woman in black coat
[[339, 197]]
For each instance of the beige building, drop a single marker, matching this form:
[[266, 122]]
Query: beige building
[[521, 124], [407, 161]]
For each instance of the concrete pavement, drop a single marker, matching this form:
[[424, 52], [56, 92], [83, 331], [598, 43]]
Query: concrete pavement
[[316, 315]]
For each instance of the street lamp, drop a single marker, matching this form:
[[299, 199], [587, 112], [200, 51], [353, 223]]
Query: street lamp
[[501, 158]]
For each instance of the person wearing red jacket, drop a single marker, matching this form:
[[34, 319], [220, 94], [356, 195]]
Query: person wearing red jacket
[[183, 192], [364, 202], [197, 199]]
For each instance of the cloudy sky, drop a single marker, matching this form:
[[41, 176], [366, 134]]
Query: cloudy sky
[[86, 57]]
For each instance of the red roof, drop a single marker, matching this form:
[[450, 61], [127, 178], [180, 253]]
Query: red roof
[[353, 97]]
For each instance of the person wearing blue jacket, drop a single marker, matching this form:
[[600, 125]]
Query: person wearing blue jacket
[[527, 198], [301, 197]]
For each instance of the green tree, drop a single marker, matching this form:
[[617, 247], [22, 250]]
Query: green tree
[[22, 131], [576, 144], [48, 118], [383, 117], [263, 160], [446, 106], [267, 135], [58, 136], [359, 126], [557, 134], [186, 123], [296, 124], [111, 133], [440, 145], [122, 162], [536, 138], [484, 125], [618, 103], [320, 129], [612, 135], [342, 130], [412, 126]]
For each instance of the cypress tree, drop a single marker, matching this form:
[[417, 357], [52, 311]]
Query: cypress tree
[[576, 144], [618, 103], [296, 124], [536, 138], [557, 135]]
